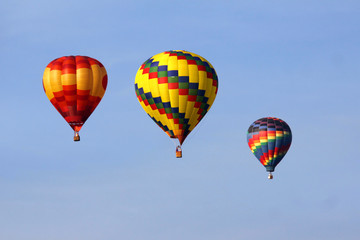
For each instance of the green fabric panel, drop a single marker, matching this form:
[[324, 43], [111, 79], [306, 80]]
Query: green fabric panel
[[193, 92], [162, 74], [159, 105], [153, 69], [173, 79], [151, 101], [183, 85]]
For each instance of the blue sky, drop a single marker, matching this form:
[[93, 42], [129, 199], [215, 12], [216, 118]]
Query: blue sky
[[296, 60]]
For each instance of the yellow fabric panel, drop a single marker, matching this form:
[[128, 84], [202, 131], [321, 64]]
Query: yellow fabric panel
[[193, 73], [155, 92], [47, 84], [193, 120], [174, 97], [164, 120], [55, 81], [208, 86], [189, 109], [202, 80], [164, 92], [178, 132], [137, 77], [84, 78], [98, 74], [158, 57], [183, 67], [68, 79], [172, 63], [145, 86], [162, 58], [183, 103]]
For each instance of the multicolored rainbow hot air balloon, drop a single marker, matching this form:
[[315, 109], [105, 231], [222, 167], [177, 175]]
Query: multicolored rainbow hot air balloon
[[176, 89], [269, 139], [75, 86]]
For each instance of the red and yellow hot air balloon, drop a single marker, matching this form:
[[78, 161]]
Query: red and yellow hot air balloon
[[176, 89], [75, 86]]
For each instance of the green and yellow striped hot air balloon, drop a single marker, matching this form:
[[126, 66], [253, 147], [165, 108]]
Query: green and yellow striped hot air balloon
[[176, 89]]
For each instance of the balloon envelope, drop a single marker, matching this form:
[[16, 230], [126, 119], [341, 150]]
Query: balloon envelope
[[269, 139], [75, 86], [176, 89]]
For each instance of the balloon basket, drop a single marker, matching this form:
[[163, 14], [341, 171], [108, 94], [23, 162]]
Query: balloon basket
[[270, 176], [76, 136], [178, 152]]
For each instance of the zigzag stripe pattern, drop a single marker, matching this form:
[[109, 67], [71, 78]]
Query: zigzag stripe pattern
[[176, 89], [269, 139]]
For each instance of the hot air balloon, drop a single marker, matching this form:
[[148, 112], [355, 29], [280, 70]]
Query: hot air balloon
[[75, 86], [269, 139], [176, 89]]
